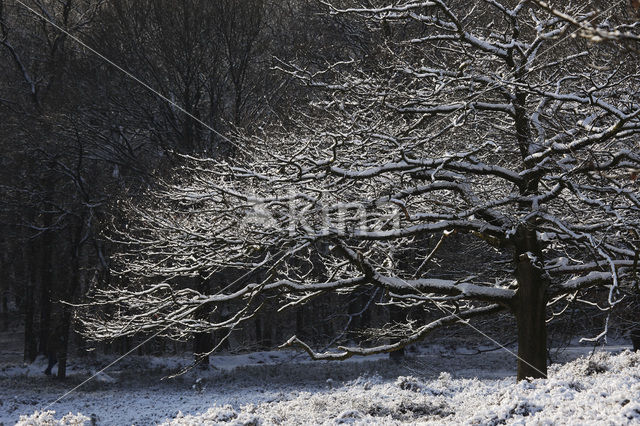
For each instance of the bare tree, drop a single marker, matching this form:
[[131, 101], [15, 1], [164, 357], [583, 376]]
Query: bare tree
[[43, 178], [483, 118]]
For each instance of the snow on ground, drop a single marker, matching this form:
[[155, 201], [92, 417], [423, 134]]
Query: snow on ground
[[286, 388]]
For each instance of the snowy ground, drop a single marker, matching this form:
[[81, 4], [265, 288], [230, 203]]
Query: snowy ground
[[285, 388]]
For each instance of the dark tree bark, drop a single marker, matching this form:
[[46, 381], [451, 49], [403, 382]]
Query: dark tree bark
[[4, 290], [530, 307], [265, 340], [69, 294], [300, 324], [635, 338], [203, 342], [46, 281], [5, 311], [61, 333], [397, 315], [30, 342], [202, 345]]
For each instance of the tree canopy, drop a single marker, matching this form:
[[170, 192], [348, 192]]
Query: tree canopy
[[485, 118]]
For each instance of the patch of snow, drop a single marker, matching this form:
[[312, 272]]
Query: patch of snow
[[465, 351], [602, 387], [47, 418]]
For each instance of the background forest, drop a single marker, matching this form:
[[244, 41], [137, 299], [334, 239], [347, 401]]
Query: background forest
[[77, 134]]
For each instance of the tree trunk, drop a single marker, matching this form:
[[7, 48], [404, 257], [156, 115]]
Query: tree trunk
[[203, 342], [4, 286], [46, 284], [266, 340], [4, 294], [354, 309], [202, 345], [64, 328], [530, 308], [397, 315], [5, 311], [62, 345], [635, 338], [30, 342], [300, 329], [258, 329]]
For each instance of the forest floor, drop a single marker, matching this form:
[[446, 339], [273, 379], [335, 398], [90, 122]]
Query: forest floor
[[436, 384]]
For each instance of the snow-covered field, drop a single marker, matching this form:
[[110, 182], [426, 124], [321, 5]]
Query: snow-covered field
[[435, 385]]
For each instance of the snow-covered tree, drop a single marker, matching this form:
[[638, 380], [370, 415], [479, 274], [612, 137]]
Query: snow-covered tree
[[485, 118]]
